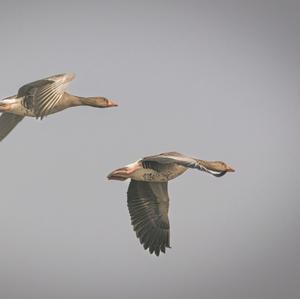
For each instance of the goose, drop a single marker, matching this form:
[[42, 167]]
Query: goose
[[41, 98], [147, 195]]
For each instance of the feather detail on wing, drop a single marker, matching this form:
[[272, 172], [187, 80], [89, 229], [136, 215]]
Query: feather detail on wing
[[42, 95], [148, 205], [170, 157]]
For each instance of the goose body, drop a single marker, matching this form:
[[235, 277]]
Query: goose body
[[141, 172], [147, 195], [41, 98]]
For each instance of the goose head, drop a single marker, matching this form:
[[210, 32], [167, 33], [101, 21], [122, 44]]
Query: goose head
[[99, 102]]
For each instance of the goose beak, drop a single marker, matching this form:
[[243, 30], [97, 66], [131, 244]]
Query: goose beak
[[111, 103], [229, 169]]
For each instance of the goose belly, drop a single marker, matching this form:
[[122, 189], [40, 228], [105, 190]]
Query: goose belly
[[165, 175]]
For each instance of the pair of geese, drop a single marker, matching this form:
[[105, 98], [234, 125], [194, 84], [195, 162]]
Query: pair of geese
[[147, 195]]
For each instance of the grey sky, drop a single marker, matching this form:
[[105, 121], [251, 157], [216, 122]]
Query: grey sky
[[218, 80]]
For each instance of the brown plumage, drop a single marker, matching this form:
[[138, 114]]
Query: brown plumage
[[41, 98], [147, 195]]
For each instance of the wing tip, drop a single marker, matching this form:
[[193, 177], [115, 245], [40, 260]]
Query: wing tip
[[157, 245]]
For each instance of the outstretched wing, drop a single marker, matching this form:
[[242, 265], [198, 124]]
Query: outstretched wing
[[169, 158], [148, 205], [158, 161], [42, 95], [7, 122]]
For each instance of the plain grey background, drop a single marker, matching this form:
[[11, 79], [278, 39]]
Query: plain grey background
[[218, 80]]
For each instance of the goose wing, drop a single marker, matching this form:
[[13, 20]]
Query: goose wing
[[169, 158], [7, 123], [148, 205], [42, 95], [156, 162]]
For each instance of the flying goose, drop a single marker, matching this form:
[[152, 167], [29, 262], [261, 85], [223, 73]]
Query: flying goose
[[147, 195], [41, 98]]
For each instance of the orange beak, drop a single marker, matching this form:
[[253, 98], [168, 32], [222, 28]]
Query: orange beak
[[229, 169], [111, 103]]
